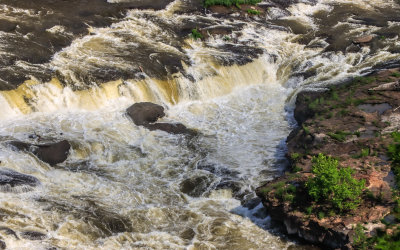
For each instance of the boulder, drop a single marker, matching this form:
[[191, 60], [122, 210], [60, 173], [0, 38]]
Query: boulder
[[51, 153], [143, 113], [13, 179], [391, 86], [146, 114]]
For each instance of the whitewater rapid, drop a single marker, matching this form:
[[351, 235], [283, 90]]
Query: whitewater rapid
[[125, 187]]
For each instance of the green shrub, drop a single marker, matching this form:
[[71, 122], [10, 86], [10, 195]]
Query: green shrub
[[359, 238], [339, 135], [394, 154], [333, 185], [306, 130], [196, 34], [321, 215], [309, 210], [228, 3], [253, 12], [396, 74]]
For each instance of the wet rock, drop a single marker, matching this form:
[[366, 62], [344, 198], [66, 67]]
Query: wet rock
[[172, 128], [146, 114], [195, 186], [363, 39], [143, 113], [2, 245], [32, 235], [51, 153], [13, 179]]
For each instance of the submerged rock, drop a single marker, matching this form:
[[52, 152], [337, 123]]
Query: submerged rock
[[32, 235], [2, 245], [13, 179], [146, 114], [52, 153], [172, 128]]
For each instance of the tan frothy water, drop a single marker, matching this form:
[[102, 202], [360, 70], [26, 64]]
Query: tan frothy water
[[125, 187]]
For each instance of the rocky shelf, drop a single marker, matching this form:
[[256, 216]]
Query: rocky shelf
[[352, 123]]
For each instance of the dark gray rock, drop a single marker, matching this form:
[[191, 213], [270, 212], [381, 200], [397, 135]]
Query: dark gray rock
[[51, 153], [144, 113], [13, 179], [32, 235]]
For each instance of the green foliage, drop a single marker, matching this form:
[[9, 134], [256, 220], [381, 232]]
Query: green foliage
[[394, 154], [334, 95], [306, 130], [295, 157], [364, 80], [396, 74], [316, 103], [388, 242], [296, 169], [333, 185], [364, 152], [253, 12], [228, 3], [196, 34], [339, 135], [226, 38], [321, 215], [359, 238], [309, 210]]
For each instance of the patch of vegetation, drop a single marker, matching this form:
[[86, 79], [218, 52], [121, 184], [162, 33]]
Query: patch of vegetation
[[321, 215], [316, 103], [364, 79], [296, 169], [306, 129], [359, 238], [394, 154], [396, 74], [253, 12], [339, 135], [196, 34], [334, 185], [229, 3]]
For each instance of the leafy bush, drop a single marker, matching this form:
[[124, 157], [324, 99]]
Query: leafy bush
[[196, 34], [253, 12], [228, 3], [339, 135], [333, 185], [394, 154], [359, 238]]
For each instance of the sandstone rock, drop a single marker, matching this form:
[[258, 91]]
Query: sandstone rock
[[51, 153], [363, 39], [143, 113], [13, 179]]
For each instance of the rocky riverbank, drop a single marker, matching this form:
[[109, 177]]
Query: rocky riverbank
[[353, 124]]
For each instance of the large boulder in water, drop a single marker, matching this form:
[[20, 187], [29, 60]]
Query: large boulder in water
[[51, 153], [143, 113], [13, 179], [146, 114]]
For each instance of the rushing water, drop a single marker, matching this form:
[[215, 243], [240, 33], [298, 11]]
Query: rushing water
[[69, 70]]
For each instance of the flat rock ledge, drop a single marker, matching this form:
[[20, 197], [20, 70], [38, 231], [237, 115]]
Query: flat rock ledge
[[352, 123]]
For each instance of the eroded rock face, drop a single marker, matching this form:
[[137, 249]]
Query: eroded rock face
[[32, 235], [13, 178], [146, 114], [51, 153], [347, 122]]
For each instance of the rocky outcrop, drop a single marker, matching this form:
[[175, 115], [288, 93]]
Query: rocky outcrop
[[146, 114], [51, 153], [350, 123]]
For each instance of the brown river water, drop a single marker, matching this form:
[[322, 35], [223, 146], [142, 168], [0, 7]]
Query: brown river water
[[70, 68]]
